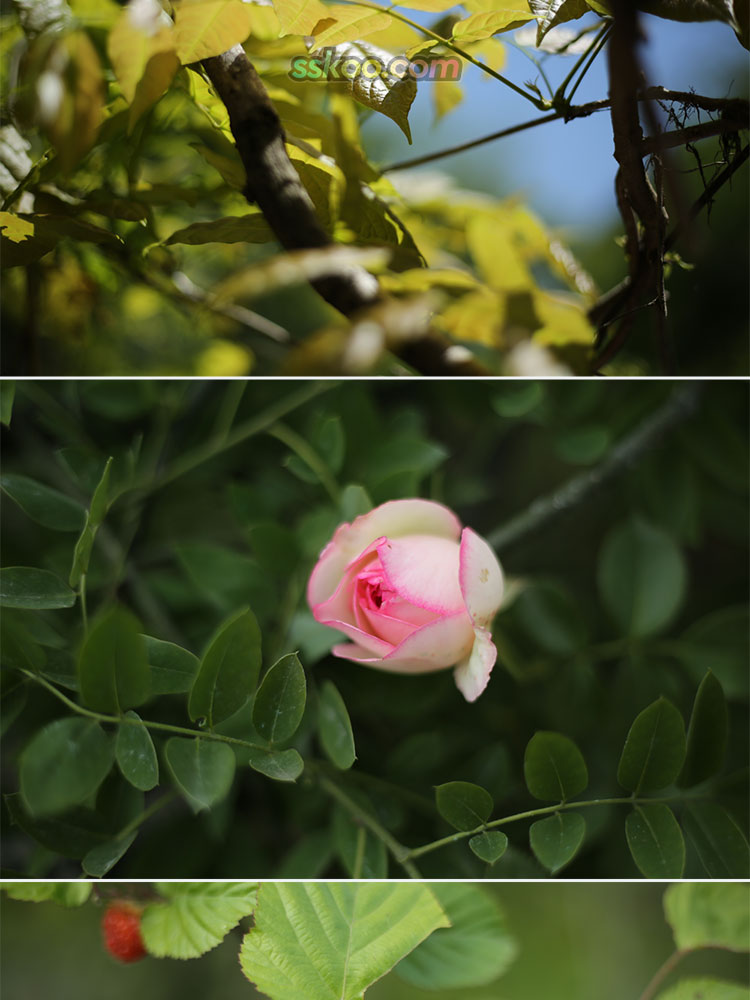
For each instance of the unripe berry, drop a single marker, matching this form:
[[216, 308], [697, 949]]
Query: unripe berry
[[121, 925]]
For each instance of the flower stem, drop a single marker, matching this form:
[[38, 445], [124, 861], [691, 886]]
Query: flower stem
[[661, 973]]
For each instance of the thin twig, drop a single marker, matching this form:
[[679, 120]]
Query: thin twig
[[661, 974], [681, 405]]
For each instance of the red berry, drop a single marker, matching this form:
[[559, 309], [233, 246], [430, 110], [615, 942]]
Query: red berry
[[121, 925]]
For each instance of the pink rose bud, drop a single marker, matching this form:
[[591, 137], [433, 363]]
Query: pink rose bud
[[412, 591]]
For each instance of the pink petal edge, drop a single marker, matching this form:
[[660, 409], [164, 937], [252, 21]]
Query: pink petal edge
[[481, 578], [473, 674]]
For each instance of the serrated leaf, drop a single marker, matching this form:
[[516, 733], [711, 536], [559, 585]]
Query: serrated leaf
[[250, 228], [705, 989], [334, 727], [102, 858], [709, 915], [326, 941], [136, 754], [489, 846], [641, 577], [654, 750], [473, 951], [46, 506], [505, 16], [229, 670], [63, 765], [280, 700], [707, 734], [554, 768], [33, 589], [203, 770], [173, 668], [718, 840], [363, 69], [281, 765], [655, 841], [205, 28], [113, 673], [194, 917], [557, 839], [465, 805], [65, 893]]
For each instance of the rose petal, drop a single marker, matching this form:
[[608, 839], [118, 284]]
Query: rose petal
[[340, 604], [474, 672], [390, 627], [440, 644], [377, 647], [394, 519], [481, 578], [424, 571]]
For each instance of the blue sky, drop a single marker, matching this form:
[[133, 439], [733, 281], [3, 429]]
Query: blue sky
[[565, 172]]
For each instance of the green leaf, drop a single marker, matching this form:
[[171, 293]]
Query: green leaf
[[7, 395], [229, 670], [718, 840], [707, 734], [655, 841], [719, 642], [473, 951], [75, 833], [354, 500], [280, 702], [709, 915], [550, 13], [35, 589], [705, 989], [518, 400], [96, 513], [136, 755], [203, 770], [334, 728], [328, 941], [390, 94], [464, 805], [63, 765], [194, 916], [642, 577], [557, 839], [489, 846], [65, 893], [550, 618], [281, 765], [173, 668], [251, 228], [46, 506], [554, 768], [102, 858], [654, 750], [113, 673]]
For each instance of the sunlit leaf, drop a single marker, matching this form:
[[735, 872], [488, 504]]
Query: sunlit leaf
[[205, 28]]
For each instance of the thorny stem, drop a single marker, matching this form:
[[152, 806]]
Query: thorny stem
[[399, 853], [661, 973], [681, 405], [302, 448]]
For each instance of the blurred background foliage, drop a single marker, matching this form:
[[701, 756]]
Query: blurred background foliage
[[200, 529], [131, 295], [576, 942]]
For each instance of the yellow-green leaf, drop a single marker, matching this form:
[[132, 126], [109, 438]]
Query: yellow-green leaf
[[144, 59], [299, 17], [486, 23], [205, 28], [14, 228], [348, 24]]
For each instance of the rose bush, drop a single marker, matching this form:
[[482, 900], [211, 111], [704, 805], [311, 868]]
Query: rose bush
[[412, 591]]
